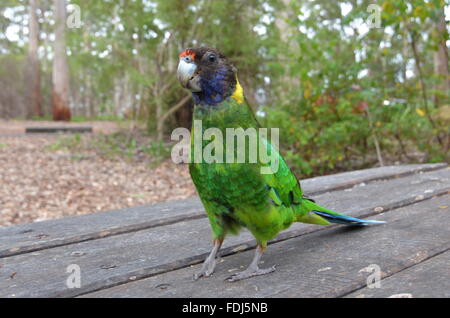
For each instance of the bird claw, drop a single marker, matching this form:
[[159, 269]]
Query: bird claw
[[248, 273], [201, 274], [207, 269]]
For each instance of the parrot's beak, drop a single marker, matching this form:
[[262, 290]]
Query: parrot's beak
[[188, 77]]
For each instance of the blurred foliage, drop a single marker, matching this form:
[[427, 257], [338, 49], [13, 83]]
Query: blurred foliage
[[358, 84], [345, 94]]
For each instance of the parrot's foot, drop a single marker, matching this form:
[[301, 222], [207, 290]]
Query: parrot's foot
[[210, 263], [250, 272], [207, 269]]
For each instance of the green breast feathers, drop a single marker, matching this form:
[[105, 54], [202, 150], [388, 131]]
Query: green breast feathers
[[239, 175]]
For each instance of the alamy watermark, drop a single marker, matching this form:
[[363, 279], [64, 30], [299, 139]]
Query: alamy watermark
[[374, 19], [74, 18], [374, 279], [74, 278], [239, 145]]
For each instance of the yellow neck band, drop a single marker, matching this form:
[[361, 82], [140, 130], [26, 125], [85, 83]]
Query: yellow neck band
[[238, 94]]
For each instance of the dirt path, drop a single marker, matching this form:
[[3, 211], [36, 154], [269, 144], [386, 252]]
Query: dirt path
[[37, 183]]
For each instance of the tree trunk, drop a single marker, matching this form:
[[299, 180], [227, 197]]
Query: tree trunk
[[184, 115], [33, 75], [88, 103], [159, 113], [441, 69], [287, 32], [61, 89]]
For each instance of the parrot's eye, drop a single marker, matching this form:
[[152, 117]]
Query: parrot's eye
[[212, 58], [187, 59]]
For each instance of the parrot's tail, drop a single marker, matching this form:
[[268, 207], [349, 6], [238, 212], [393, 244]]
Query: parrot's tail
[[319, 215]]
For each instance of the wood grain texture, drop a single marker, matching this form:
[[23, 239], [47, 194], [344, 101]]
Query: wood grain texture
[[113, 260], [27, 238]]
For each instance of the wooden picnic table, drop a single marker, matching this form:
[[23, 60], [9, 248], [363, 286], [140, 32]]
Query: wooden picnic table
[[152, 251], [58, 129]]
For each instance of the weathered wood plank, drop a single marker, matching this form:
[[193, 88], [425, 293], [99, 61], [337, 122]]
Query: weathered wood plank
[[21, 239], [430, 278], [61, 129], [327, 263], [117, 259], [341, 181]]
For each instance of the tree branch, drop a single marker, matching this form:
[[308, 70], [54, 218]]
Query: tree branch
[[175, 108]]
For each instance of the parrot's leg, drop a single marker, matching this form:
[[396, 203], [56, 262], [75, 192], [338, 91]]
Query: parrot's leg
[[253, 270], [210, 263]]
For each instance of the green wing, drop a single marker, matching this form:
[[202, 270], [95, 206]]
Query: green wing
[[286, 192], [284, 186]]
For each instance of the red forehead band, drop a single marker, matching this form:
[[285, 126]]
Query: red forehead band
[[187, 53]]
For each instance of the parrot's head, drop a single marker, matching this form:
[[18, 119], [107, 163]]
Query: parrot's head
[[208, 74]]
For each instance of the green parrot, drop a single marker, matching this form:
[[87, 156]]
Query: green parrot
[[239, 195]]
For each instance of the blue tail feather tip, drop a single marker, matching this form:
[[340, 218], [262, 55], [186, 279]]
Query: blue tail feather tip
[[346, 220]]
